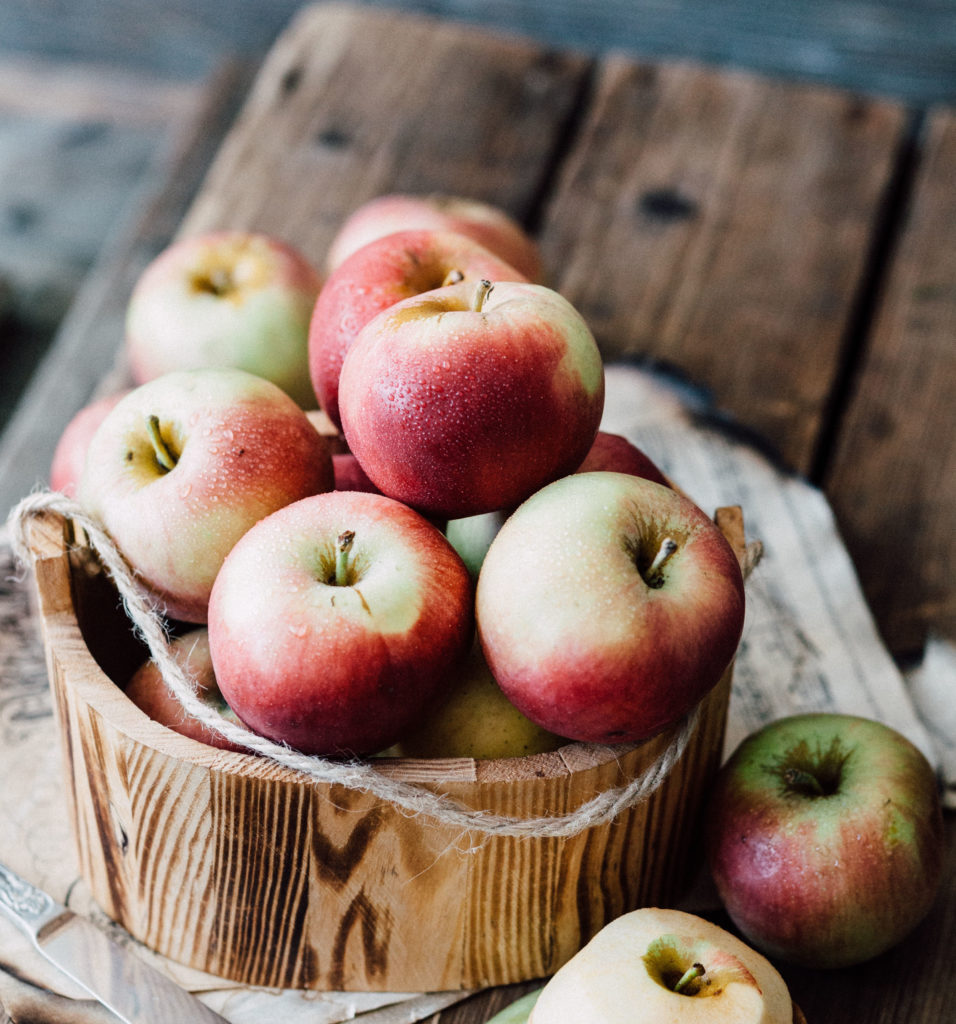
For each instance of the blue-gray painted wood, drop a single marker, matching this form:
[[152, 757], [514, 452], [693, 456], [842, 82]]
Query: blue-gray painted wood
[[900, 48]]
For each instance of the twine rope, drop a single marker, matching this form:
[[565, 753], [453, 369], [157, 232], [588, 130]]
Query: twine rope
[[148, 621]]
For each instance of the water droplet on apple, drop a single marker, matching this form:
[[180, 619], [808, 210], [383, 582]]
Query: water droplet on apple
[[298, 631], [184, 491]]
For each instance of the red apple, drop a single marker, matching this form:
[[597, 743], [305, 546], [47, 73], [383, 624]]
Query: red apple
[[666, 967], [336, 621], [229, 298], [377, 276], [825, 838], [485, 223], [608, 606], [462, 401], [149, 692], [185, 464], [615, 454], [349, 475], [69, 455]]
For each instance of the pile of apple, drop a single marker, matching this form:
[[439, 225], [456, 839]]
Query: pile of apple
[[449, 558], [447, 555]]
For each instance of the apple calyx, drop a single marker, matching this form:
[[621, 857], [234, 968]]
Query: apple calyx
[[692, 973], [164, 456], [343, 546], [482, 292], [812, 773], [654, 577], [217, 281]]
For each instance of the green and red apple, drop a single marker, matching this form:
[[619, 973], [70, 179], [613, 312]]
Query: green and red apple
[[608, 606], [69, 456], [336, 622], [148, 691], [467, 399], [825, 838], [487, 224], [386, 271], [226, 299], [183, 465]]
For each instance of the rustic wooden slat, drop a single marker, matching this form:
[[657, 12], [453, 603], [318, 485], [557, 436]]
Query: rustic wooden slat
[[721, 223], [445, 110], [893, 477]]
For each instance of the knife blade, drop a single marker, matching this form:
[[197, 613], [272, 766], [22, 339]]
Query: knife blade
[[136, 992]]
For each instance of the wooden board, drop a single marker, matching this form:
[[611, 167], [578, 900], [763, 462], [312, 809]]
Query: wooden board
[[720, 223], [893, 478], [445, 110]]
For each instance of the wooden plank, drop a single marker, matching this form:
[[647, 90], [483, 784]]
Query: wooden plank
[[892, 481], [721, 223], [446, 110], [83, 353]]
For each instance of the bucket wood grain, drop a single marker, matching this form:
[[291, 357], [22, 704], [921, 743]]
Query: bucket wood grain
[[234, 865]]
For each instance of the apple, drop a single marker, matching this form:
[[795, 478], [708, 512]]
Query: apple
[[824, 838], [608, 606], [614, 453], [349, 475], [149, 692], [336, 622], [484, 222], [230, 299], [468, 398], [471, 536], [183, 465], [665, 966], [375, 277], [69, 456], [475, 719]]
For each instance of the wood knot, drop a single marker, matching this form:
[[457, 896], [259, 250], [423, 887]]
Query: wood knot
[[666, 204]]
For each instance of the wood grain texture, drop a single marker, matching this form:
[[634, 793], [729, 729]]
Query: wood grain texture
[[720, 223], [235, 865], [444, 111], [893, 477]]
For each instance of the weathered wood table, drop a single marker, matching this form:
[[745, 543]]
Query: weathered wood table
[[792, 249]]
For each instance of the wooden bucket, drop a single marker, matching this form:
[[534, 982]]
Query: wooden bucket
[[234, 865]]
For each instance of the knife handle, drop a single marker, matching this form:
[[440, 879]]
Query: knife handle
[[26, 905]]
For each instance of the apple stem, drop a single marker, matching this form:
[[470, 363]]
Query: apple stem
[[453, 277], [692, 973], [481, 293], [342, 547], [804, 781], [667, 548], [163, 455]]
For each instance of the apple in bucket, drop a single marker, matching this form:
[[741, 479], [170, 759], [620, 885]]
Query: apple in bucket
[[485, 223], [608, 606], [377, 276], [148, 691], [183, 465], [825, 838], [69, 456], [468, 398], [337, 621], [228, 298]]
